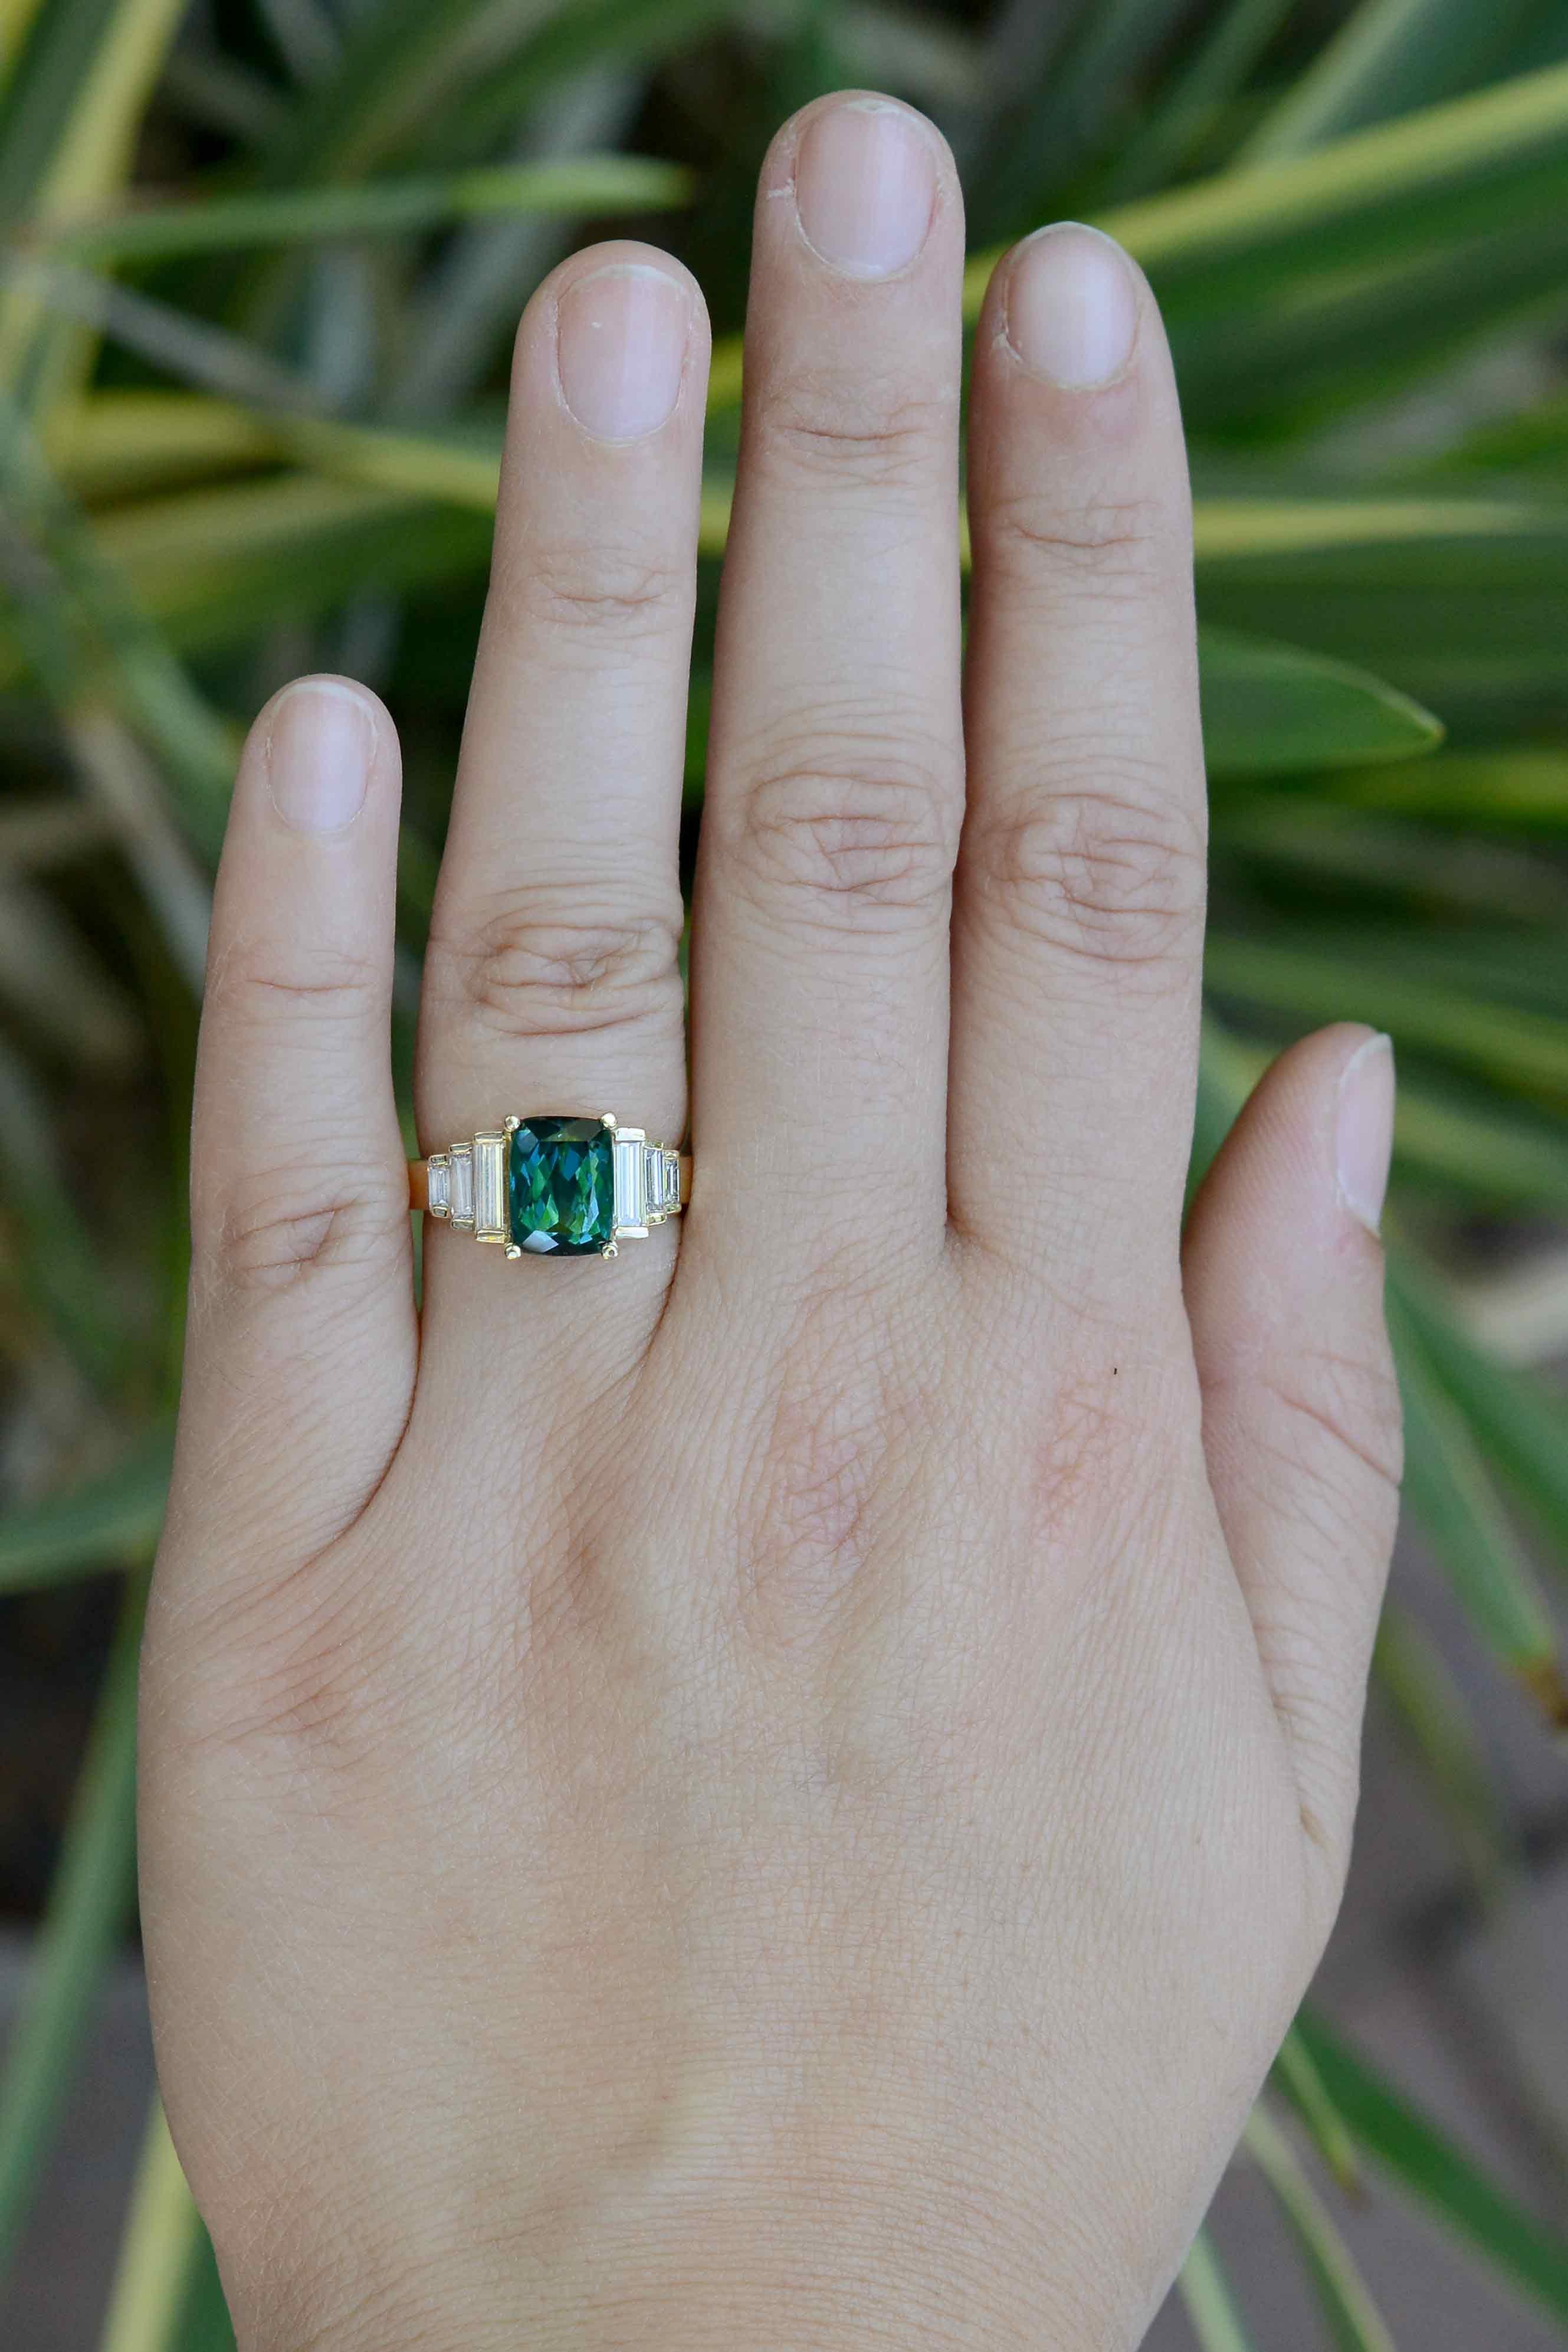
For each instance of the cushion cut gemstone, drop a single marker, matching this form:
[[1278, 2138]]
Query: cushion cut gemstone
[[561, 1185]]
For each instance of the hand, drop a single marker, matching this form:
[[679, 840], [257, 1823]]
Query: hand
[[780, 1793]]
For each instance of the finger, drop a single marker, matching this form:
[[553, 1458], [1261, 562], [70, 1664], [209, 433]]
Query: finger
[[551, 981], [1079, 910], [834, 795], [1283, 1277], [301, 1342]]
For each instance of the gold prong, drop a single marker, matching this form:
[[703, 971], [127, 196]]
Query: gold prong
[[512, 1250], [610, 1250], [607, 1118], [511, 1123]]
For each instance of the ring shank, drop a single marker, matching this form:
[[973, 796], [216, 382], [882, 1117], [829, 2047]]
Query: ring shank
[[419, 1184]]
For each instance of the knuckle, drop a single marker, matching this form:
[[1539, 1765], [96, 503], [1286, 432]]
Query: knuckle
[[1334, 1418], [302, 1669], [261, 982], [597, 588], [1108, 870], [546, 960], [280, 1226], [1105, 546], [846, 825], [854, 429]]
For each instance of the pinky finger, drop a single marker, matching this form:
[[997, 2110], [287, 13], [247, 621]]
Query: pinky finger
[[1283, 1278], [302, 1340]]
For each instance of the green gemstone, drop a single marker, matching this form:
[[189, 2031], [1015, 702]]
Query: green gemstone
[[561, 1185]]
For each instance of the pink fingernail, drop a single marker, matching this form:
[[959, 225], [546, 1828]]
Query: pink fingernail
[[1364, 1129], [621, 347], [865, 184], [320, 747], [1072, 306]]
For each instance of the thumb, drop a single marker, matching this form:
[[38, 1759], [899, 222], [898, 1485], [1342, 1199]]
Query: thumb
[[1283, 1277]]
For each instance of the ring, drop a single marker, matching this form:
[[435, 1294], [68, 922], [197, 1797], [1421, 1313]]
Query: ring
[[554, 1187]]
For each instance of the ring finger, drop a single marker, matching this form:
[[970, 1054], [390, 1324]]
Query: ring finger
[[551, 981]]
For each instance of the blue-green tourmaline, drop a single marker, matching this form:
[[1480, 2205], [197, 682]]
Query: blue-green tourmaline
[[561, 1185]]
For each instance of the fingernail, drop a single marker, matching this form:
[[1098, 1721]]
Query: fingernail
[[621, 346], [1364, 1129], [320, 747], [865, 182], [1072, 306]]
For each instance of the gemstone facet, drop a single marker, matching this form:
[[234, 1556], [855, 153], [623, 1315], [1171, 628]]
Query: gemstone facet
[[560, 1186]]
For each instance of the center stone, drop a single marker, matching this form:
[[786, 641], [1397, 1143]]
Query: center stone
[[561, 1185]]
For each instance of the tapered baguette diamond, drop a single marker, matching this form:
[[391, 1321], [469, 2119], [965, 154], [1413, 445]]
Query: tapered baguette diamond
[[461, 1183]]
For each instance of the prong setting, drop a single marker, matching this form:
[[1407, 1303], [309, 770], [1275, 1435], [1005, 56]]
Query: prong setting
[[540, 1184]]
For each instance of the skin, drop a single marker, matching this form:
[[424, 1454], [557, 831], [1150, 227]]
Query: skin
[[782, 1793]]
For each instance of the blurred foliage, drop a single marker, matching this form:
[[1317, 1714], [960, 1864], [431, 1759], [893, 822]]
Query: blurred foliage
[[259, 265]]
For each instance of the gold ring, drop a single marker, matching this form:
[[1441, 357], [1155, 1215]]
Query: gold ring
[[552, 1186]]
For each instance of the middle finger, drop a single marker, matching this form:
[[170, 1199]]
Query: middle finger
[[835, 772]]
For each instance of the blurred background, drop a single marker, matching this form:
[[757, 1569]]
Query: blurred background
[[260, 261]]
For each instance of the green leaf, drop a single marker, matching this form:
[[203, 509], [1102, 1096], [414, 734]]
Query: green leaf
[[570, 185], [103, 1523], [1436, 1721], [1472, 790], [1309, 837], [158, 2250], [1388, 57], [44, 87], [1298, 2078], [1270, 709], [1223, 57], [1332, 981], [406, 65], [1521, 1424], [1353, 2319], [1450, 1491], [1207, 2300], [1437, 2176], [1497, 156], [215, 565], [1485, 1151], [89, 1906], [205, 2325], [85, 636]]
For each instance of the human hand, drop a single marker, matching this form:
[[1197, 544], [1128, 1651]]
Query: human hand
[[782, 1793]]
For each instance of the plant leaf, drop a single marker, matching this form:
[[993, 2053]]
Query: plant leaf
[[573, 184], [1270, 709], [1436, 1719], [1207, 2300], [1450, 1489], [89, 1906], [1331, 982], [158, 2249], [1522, 1425], [1436, 2175], [1353, 2319], [104, 1522], [1297, 2077], [1388, 57]]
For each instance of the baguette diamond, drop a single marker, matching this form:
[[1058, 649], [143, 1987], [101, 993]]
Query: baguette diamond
[[490, 1187], [631, 1202], [463, 1183]]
